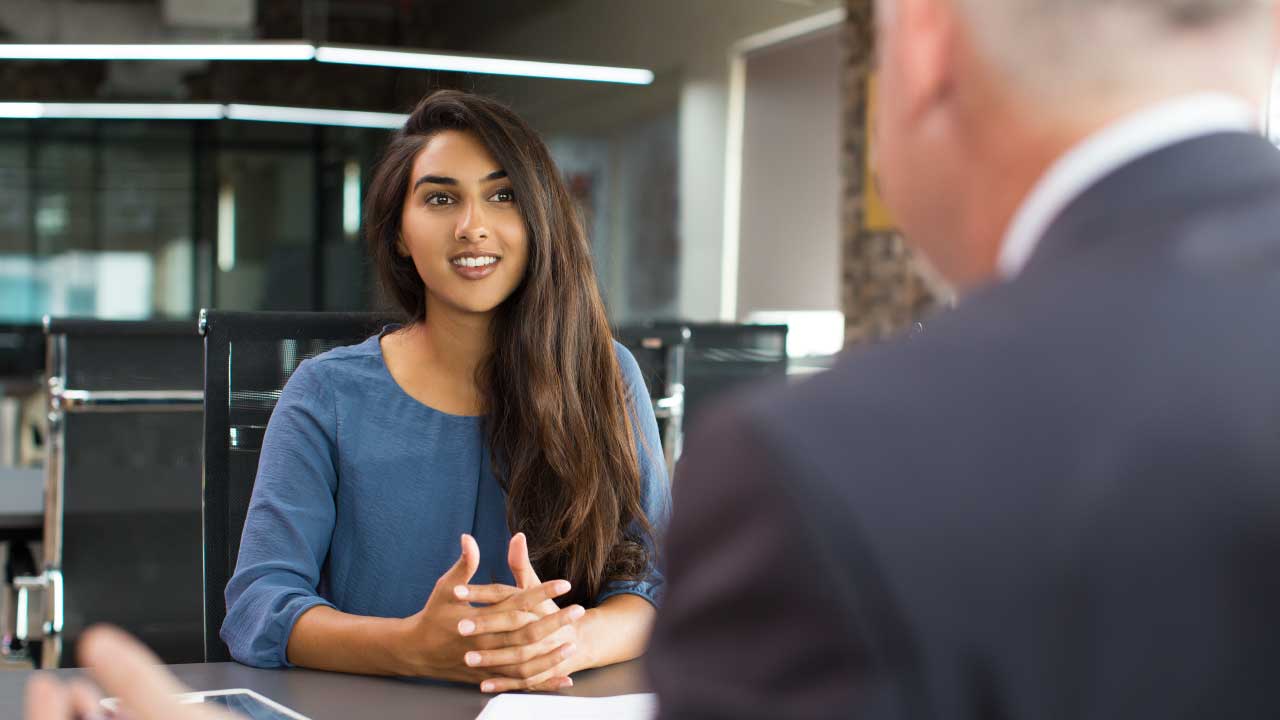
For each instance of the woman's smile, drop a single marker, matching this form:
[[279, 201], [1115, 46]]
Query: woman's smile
[[475, 266]]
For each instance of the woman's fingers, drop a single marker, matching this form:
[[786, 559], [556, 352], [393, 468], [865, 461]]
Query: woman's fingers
[[555, 683], [518, 560], [525, 599], [546, 627], [522, 652], [463, 570], [485, 594], [557, 678], [504, 684], [497, 595], [504, 621], [519, 675], [529, 633]]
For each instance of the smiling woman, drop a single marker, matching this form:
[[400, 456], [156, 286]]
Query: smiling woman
[[459, 220], [501, 411]]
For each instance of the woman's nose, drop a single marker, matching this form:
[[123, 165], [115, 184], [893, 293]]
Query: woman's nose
[[471, 226]]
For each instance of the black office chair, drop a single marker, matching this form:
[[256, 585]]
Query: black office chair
[[248, 358], [726, 357], [660, 352], [122, 491]]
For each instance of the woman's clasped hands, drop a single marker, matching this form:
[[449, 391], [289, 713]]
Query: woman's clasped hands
[[501, 636]]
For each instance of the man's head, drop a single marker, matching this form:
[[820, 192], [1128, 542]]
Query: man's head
[[976, 98]]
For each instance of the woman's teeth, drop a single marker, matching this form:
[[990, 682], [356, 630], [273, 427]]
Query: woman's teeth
[[474, 261]]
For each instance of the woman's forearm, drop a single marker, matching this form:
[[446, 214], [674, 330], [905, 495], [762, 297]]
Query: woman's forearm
[[326, 639], [616, 631]]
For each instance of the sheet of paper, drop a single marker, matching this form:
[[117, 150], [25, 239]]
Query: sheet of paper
[[640, 706]]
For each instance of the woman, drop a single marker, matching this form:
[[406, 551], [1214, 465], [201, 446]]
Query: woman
[[502, 406]]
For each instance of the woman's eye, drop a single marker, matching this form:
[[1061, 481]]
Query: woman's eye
[[439, 199], [504, 195]]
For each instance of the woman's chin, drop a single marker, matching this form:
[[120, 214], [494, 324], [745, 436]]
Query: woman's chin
[[473, 305]]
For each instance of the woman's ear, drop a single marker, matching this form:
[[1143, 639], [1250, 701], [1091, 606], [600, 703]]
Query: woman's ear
[[401, 250]]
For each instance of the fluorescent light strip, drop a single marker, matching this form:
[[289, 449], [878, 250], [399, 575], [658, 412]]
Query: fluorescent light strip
[[24, 110], [330, 54], [179, 111], [315, 116], [483, 65], [159, 51], [132, 111]]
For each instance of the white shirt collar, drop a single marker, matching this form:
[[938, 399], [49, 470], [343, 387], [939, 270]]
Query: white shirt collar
[[1106, 151]]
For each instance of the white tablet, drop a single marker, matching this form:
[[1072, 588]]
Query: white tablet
[[243, 701]]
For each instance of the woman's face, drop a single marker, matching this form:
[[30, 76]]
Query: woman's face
[[461, 225]]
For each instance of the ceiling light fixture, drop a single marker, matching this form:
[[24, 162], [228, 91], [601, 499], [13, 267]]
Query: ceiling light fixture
[[112, 111], [159, 51], [210, 111], [348, 55], [482, 64], [315, 116]]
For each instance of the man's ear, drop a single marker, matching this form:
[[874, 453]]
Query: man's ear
[[927, 51], [1275, 31]]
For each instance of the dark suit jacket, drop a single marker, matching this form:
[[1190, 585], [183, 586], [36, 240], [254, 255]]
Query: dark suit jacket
[[1062, 501]]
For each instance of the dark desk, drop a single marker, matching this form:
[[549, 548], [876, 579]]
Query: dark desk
[[332, 696]]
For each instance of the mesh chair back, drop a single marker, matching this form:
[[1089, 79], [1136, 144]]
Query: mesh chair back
[[248, 358], [122, 509], [721, 357]]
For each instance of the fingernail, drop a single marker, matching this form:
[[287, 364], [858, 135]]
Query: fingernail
[[561, 586], [466, 627], [566, 683], [461, 591], [486, 687], [473, 658], [576, 612]]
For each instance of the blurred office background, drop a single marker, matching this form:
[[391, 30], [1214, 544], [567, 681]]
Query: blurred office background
[[730, 185], [722, 188], [148, 218]]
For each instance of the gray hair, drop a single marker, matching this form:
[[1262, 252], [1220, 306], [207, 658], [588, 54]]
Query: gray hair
[[1061, 50]]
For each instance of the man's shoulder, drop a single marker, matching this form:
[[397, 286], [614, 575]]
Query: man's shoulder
[[960, 351]]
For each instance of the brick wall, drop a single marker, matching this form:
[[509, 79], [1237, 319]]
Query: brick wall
[[881, 290]]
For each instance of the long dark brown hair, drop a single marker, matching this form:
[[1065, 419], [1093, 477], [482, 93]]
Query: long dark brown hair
[[557, 415]]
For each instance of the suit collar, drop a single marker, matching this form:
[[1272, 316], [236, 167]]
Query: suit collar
[[1107, 150], [1150, 190]]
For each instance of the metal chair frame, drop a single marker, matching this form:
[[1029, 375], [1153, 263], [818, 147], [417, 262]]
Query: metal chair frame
[[64, 401]]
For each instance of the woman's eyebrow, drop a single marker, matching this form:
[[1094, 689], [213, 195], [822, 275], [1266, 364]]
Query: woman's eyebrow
[[435, 180], [446, 180]]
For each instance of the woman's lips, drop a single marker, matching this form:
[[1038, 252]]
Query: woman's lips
[[477, 272]]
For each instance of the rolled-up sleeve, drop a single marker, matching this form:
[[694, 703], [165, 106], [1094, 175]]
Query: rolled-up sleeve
[[655, 487], [289, 525]]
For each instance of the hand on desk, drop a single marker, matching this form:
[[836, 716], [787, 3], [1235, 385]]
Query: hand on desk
[[124, 668], [530, 648], [519, 633]]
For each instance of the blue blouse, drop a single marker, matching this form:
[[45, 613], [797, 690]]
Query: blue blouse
[[362, 493]]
